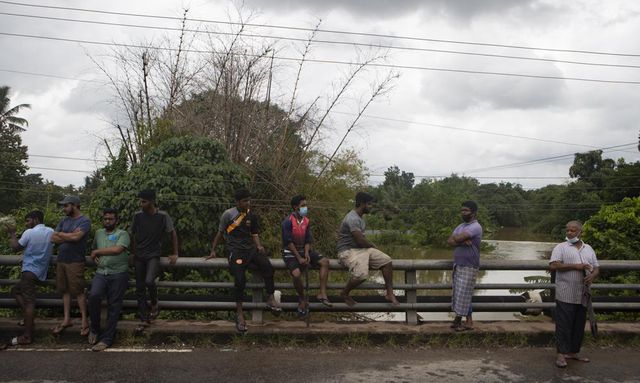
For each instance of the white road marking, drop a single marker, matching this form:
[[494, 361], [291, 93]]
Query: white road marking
[[172, 350]]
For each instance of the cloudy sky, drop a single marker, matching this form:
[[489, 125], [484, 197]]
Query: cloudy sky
[[441, 116]]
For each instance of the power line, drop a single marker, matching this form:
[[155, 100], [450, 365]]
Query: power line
[[331, 31], [540, 160], [333, 42], [322, 61], [469, 130], [45, 75]]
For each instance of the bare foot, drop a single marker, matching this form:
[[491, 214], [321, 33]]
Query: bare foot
[[348, 300], [392, 299]]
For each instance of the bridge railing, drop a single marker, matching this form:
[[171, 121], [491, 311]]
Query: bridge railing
[[411, 302]]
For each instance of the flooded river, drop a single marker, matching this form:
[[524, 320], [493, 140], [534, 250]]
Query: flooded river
[[502, 249]]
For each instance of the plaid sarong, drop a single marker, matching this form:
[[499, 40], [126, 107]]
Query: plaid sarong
[[464, 280]]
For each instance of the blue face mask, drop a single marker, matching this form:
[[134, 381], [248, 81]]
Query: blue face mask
[[303, 211], [572, 240]]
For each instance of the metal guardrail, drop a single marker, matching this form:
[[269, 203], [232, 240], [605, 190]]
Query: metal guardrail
[[411, 303]]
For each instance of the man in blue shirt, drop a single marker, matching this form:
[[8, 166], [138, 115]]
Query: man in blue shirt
[[37, 246], [466, 240], [71, 236]]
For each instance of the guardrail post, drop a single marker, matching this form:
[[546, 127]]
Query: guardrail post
[[410, 277], [256, 297]]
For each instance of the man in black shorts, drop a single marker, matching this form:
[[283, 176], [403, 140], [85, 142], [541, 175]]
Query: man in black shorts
[[150, 225], [240, 228], [298, 253]]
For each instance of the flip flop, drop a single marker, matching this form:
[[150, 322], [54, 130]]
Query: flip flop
[[579, 359], [241, 327], [275, 310], [326, 302], [84, 331], [19, 341], [59, 329], [560, 363], [141, 327]]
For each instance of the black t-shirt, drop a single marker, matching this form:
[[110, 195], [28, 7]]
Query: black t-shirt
[[238, 229], [148, 231]]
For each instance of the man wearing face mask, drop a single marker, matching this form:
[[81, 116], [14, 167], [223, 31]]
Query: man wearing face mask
[[466, 240], [576, 267], [358, 254], [298, 253]]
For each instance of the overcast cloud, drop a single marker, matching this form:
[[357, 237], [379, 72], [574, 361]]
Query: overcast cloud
[[69, 117]]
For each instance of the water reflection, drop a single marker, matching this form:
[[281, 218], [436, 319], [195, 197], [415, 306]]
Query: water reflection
[[507, 250]]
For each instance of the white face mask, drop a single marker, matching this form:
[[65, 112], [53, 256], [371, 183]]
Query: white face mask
[[572, 240]]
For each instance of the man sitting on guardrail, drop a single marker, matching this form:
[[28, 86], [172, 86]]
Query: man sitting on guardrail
[[298, 253], [37, 246], [110, 253], [576, 267], [358, 254], [240, 228], [465, 239]]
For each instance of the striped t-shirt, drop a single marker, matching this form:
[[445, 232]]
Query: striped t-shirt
[[570, 283]]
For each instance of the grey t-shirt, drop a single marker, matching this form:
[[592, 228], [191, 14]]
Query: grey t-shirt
[[351, 222], [570, 283], [239, 234]]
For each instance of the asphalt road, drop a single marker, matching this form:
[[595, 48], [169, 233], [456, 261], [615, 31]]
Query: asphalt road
[[315, 365]]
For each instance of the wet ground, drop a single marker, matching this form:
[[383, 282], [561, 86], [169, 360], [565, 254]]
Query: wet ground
[[390, 364]]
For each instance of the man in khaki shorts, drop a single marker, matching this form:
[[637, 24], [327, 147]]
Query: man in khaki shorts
[[71, 236], [358, 254]]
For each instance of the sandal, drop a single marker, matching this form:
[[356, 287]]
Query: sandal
[[241, 327], [326, 302], [84, 331], [578, 358], [59, 329], [21, 323], [20, 341], [561, 363], [141, 327], [275, 310]]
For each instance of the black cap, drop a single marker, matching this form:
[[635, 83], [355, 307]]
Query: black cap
[[70, 199]]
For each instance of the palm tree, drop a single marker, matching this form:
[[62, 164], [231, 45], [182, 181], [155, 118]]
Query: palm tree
[[8, 116]]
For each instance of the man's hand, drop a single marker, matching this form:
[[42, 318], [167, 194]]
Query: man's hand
[[95, 257], [584, 266], [467, 243], [588, 280], [211, 255], [173, 258], [260, 249], [303, 260]]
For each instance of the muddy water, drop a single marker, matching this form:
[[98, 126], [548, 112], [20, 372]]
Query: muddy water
[[507, 250]]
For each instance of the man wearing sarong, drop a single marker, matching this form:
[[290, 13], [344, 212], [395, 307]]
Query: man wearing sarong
[[576, 267], [466, 240]]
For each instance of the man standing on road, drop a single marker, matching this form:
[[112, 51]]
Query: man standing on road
[[240, 228], [298, 253], [359, 255], [466, 240], [71, 235], [576, 267], [149, 227], [110, 252], [37, 246]]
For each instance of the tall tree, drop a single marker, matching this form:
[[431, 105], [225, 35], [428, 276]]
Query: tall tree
[[13, 154]]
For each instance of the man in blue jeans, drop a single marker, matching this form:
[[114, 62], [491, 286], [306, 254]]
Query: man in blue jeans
[[110, 252]]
